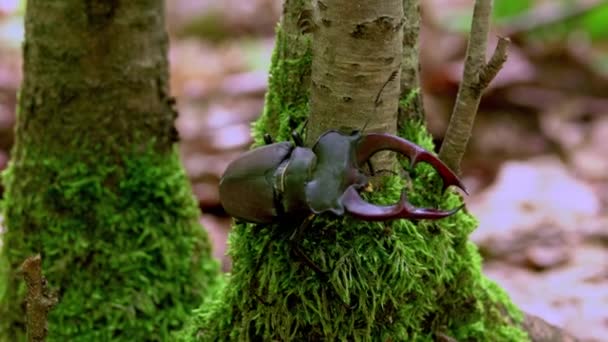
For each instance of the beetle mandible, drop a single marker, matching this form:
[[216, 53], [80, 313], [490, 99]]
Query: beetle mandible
[[284, 179]]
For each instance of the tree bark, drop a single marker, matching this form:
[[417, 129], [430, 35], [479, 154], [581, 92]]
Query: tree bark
[[95, 184], [356, 66]]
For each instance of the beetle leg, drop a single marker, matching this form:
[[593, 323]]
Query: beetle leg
[[295, 239], [268, 139], [256, 269], [361, 209], [297, 139], [374, 142]]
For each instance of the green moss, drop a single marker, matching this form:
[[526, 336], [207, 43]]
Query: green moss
[[120, 242], [407, 101], [286, 103]]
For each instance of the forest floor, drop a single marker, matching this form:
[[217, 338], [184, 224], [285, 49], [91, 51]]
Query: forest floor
[[537, 166]]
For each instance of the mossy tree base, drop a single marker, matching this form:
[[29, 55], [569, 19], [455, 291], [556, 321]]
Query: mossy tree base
[[399, 280], [121, 245]]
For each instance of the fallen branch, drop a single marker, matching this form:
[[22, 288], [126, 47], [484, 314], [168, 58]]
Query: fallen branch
[[477, 75], [39, 300], [541, 331]]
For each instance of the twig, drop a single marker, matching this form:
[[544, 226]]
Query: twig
[[499, 57], [477, 75], [39, 300]]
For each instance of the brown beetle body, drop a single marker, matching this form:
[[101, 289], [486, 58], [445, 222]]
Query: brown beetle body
[[282, 180]]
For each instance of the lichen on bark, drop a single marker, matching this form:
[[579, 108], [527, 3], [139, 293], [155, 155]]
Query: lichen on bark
[[95, 183]]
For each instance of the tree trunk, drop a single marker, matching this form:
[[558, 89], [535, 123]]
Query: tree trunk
[[356, 66], [95, 184], [386, 281]]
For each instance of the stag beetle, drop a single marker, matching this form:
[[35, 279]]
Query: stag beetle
[[284, 179], [288, 182]]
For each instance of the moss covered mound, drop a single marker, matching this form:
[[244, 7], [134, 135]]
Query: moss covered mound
[[399, 280], [120, 242]]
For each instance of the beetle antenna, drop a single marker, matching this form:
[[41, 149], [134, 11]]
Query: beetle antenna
[[297, 138], [364, 125], [305, 124], [302, 132], [355, 131]]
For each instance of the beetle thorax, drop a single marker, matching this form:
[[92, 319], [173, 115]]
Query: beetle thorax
[[291, 178]]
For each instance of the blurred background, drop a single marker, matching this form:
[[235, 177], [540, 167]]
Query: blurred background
[[536, 167]]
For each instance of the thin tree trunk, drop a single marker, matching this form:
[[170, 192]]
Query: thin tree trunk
[[477, 75], [95, 184], [356, 67]]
